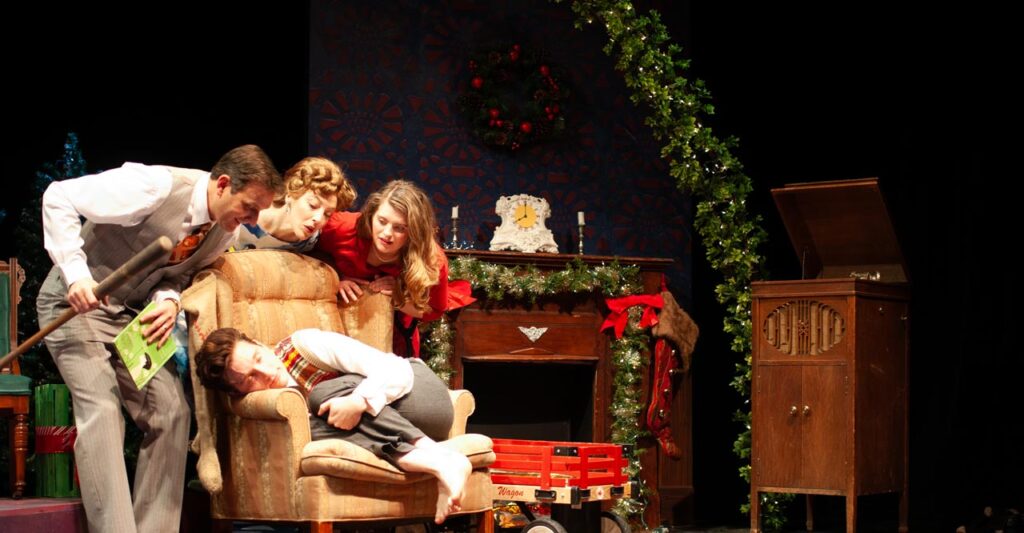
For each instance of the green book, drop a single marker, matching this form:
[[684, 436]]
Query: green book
[[142, 359]]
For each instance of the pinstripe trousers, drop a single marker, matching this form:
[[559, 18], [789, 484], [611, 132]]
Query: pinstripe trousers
[[100, 385]]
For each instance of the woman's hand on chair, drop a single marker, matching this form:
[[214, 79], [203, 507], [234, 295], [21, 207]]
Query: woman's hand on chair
[[384, 285], [350, 289]]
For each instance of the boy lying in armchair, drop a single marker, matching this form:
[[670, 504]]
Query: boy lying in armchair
[[256, 458], [396, 408]]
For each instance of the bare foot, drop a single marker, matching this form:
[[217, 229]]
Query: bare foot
[[444, 505], [451, 469], [451, 483]]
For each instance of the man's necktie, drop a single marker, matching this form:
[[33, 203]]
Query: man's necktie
[[188, 245]]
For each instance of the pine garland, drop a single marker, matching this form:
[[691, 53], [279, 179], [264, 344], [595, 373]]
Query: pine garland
[[703, 167], [629, 355], [527, 284], [437, 347]]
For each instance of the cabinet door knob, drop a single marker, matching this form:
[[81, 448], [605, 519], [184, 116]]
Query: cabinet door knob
[[807, 410], [792, 411]]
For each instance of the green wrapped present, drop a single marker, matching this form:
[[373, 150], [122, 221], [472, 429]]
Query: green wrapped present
[[55, 440]]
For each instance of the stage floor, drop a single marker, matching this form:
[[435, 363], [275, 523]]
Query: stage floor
[[42, 515]]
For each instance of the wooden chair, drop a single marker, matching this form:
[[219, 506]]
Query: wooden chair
[[15, 389]]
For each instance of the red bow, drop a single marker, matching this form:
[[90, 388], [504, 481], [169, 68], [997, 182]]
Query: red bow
[[617, 315]]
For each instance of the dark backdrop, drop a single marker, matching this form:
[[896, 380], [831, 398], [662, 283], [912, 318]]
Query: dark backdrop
[[921, 98], [917, 96]]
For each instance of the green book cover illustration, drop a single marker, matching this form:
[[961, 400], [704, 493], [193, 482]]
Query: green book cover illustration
[[142, 359]]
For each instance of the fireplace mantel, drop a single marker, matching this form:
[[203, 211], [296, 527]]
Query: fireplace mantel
[[564, 330]]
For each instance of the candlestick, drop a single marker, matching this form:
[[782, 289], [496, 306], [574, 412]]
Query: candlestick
[[455, 232], [580, 231]]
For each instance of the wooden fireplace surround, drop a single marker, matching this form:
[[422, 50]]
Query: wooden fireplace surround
[[490, 333]]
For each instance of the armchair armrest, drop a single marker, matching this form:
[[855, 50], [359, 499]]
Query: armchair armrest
[[271, 404], [276, 406], [464, 405]]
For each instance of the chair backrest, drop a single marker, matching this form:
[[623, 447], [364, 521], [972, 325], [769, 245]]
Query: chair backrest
[[274, 293], [11, 278]]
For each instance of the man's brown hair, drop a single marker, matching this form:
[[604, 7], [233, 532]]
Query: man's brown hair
[[212, 358], [248, 164]]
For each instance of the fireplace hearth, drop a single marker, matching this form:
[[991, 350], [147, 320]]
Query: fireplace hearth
[[531, 401]]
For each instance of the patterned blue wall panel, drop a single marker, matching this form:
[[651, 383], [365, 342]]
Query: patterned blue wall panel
[[384, 81]]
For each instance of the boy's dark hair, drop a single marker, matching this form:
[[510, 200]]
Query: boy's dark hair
[[212, 358]]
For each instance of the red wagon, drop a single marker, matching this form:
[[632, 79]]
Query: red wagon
[[573, 473]]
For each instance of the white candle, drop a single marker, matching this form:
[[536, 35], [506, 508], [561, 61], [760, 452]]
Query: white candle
[[580, 219], [455, 212]]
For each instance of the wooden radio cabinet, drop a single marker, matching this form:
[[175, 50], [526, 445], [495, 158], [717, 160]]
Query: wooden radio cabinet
[[829, 376]]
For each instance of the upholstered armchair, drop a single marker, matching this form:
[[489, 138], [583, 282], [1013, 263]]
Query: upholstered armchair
[[256, 458]]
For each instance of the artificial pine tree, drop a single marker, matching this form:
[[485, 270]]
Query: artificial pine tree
[[28, 236]]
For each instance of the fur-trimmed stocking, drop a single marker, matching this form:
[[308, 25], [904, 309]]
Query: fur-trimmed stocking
[[677, 328]]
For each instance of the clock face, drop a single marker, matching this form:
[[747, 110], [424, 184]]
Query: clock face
[[522, 225], [524, 216]]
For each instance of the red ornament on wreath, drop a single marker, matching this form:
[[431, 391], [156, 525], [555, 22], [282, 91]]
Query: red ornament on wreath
[[522, 87]]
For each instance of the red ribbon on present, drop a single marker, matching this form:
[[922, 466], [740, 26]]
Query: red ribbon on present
[[55, 439], [618, 317]]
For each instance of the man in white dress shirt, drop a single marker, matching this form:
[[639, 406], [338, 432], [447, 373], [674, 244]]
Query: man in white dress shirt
[[126, 209]]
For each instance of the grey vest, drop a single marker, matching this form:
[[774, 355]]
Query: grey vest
[[108, 246]]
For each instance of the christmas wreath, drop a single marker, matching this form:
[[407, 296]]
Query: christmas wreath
[[514, 98]]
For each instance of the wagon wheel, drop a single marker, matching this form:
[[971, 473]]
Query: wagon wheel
[[613, 523], [544, 525]]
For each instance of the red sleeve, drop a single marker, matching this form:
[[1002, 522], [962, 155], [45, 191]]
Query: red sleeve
[[447, 295], [339, 239]]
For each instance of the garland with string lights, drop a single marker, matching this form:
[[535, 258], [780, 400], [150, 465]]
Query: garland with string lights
[[437, 348], [514, 98], [704, 167], [629, 355]]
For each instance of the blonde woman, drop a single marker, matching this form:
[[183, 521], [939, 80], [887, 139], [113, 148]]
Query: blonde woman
[[314, 189], [390, 246]]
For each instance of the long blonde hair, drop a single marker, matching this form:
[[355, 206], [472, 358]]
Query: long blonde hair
[[322, 175], [420, 264]]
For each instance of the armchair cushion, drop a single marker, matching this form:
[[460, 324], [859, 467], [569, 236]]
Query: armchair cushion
[[335, 457]]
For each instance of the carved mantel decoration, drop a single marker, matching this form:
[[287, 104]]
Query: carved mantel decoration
[[804, 327], [533, 333]]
